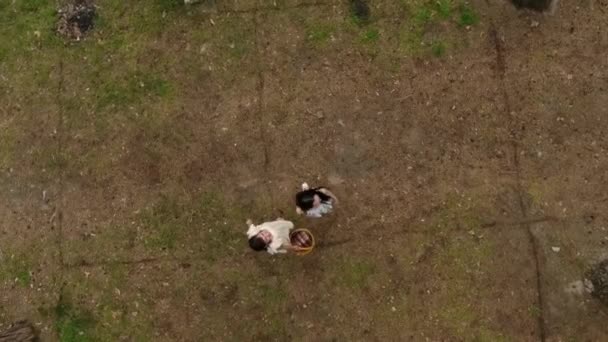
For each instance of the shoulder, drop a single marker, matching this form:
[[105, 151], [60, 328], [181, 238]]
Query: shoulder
[[278, 224]]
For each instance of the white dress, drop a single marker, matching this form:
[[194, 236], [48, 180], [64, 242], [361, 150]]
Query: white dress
[[322, 209], [279, 230]]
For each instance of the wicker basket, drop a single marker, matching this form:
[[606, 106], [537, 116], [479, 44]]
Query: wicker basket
[[293, 237]]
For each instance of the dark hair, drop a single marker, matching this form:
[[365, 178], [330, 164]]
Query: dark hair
[[306, 198], [257, 243]]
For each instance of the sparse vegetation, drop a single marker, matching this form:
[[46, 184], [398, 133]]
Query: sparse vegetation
[[438, 48], [133, 157], [164, 220], [137, 87], [355, 274], [428, 14], [7, 143], [17, 269], [72, 324], [319, 33], [170, 222], [444, 8], [422, 15], [468, 17], [371, 35]]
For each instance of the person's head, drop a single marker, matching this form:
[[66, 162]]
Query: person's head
[[308, 199], [260, 241]]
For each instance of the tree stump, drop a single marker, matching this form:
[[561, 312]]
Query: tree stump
[[21, 331]]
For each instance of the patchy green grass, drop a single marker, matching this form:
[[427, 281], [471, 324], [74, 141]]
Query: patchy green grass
[[207, 219], [55, 161], [7, 145], [16, 268], [356, 274], [444, 8], [456, 212], [465, 256], [72, 324], [370, 36], [410, 40], [95, 306], [487, 335], [468, 16], [458, 318], [534, 311], [29, 51], [273, 296], [27, 26], [438, 48], [461, 265], [238, 44], [134, 89], [538, 193], [422, 15], [165, 219], [427, 16], [224, 49], [319, 33]]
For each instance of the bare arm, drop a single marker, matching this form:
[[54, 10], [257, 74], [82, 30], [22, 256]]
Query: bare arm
[[251, 228], [330, 194]]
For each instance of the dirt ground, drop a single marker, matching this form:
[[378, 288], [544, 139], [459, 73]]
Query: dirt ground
[[465, 141]]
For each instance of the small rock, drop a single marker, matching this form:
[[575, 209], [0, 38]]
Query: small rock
[[534, 23], [555, 249], [393, 309]]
